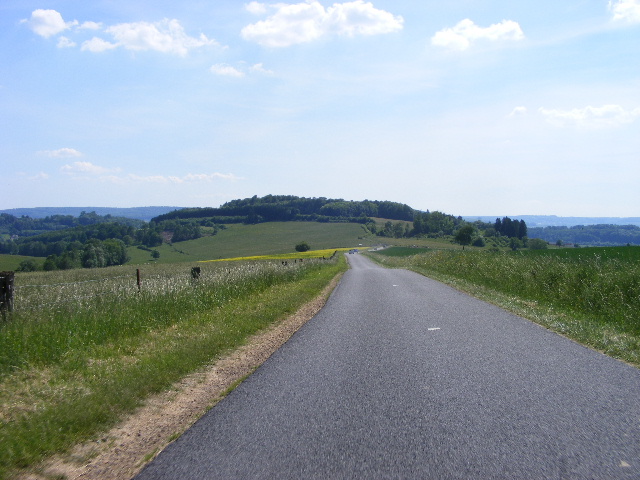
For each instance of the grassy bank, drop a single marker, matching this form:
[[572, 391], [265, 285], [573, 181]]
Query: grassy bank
[[591, 295], [81, 352]]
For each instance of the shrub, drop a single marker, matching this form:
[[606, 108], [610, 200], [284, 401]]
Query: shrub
[[302, 247]]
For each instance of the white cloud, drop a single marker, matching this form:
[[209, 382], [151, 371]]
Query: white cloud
[[259, 68], [226, 70], [61, 153], [625, 10], [166, 36], [90, 26], [304, 22], [86, 168], [64, 42], [466, 32], [256, 8], [591, 117], [48, 22], [97, 45]]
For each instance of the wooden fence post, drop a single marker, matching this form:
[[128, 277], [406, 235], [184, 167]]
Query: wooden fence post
[[138, 278], [6, 291]]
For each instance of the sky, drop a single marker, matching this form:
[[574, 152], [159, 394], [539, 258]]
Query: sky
[[469, 107]]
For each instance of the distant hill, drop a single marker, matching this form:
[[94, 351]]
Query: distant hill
[[138, 213], [555, 221]]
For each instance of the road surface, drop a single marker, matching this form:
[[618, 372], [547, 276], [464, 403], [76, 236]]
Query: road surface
[[400, 376]]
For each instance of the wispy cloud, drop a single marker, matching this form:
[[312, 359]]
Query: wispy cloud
[[627, 11], [466, 33], [606, 116], [518, 112], [226, 70], [61, 153], [297, 23], [85, 168], [170, 179]]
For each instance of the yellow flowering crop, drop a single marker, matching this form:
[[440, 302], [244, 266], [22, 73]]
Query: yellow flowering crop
[[286, 256]]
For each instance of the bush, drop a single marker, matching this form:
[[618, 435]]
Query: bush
[[478, 242], [302, 247]]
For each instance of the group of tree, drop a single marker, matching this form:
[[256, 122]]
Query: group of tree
[[435, 224], [95, 243], [511, 228]]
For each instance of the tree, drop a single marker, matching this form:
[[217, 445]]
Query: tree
[[515, 243], [464, 235], [302, 247]]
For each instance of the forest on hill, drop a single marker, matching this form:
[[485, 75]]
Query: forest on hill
[[284, 208]]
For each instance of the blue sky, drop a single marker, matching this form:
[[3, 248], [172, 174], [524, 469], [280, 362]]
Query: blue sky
[[468, 107]]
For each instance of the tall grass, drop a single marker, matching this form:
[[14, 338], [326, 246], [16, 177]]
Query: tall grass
[[592, 295], [77, 355]]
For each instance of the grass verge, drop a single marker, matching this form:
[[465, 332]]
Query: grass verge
[[51, 401]]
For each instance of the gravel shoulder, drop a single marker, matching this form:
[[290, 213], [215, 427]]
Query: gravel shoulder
[[122, 452]]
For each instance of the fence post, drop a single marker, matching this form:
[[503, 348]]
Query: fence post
[[195, 273], [6, 291], [138, 277]]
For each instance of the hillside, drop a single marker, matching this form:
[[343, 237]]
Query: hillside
[[239, 240]]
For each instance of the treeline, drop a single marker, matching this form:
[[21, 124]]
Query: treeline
[[58, 242], [93, 254], [284, 208], [26, 226], [593, 235]]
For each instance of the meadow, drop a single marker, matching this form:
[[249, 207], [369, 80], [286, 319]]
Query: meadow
[[85, 347], [589, 294]]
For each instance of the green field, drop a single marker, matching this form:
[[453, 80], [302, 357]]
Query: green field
[[262, 239], [12, 262]]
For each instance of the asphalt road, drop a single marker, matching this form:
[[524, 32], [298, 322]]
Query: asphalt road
[[400, 376]]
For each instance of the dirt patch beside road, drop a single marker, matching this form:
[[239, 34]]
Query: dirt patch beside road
[[122, 452]]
